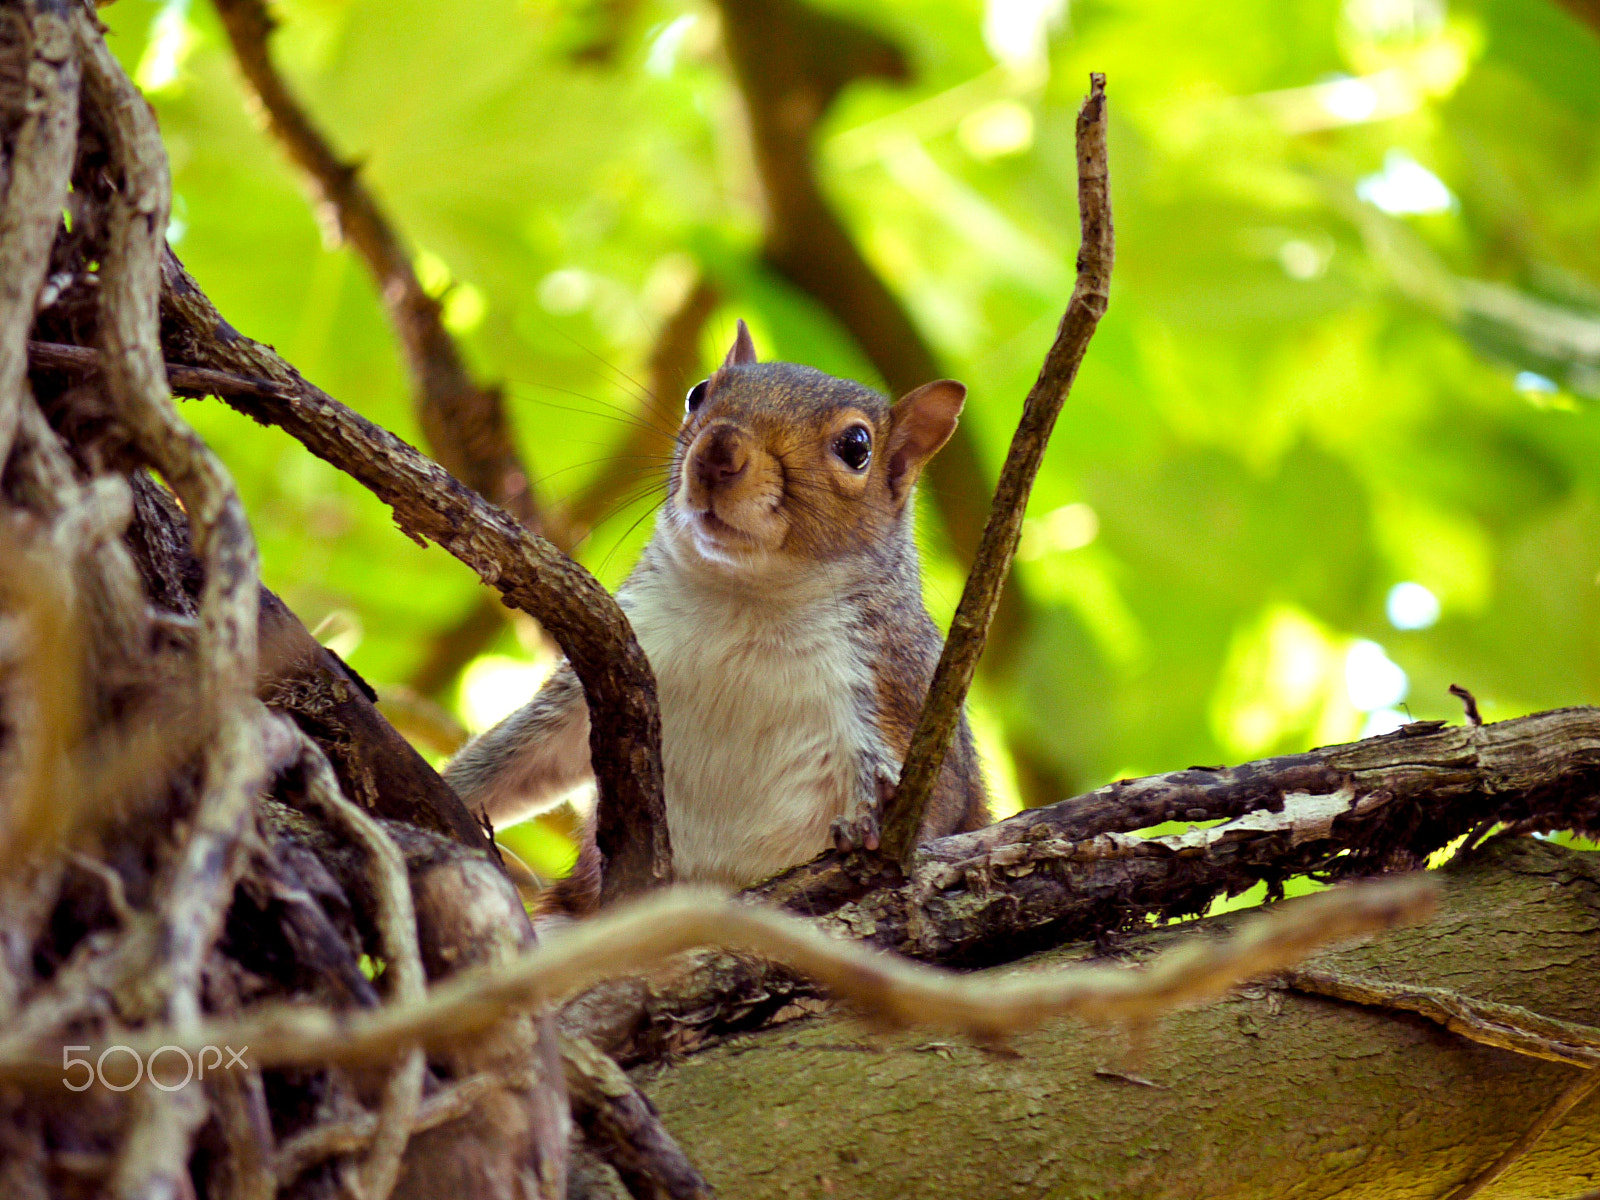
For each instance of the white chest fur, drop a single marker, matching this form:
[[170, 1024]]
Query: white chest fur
[[761, 732]]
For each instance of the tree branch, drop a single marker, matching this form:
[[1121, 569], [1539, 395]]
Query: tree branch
[[1504, 1026], [622, 1125], [1078, 869], [465, 425], [969, 629], [625, 730]]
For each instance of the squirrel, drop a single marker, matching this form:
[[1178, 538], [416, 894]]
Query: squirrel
[[779, 601]]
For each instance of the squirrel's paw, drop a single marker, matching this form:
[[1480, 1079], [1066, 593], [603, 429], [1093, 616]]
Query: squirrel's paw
[[858, 829], [859, 832]]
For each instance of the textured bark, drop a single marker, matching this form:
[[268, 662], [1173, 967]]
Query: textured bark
[[1076, 869], [514, 1141], [1268, 1095], [376, 766]]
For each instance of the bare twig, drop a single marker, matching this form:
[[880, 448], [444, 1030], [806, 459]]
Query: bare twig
[[1575, 1094], [1505, 1026], [182, 379], [465, 425], [1469, 702], [30, 213], [621, 1123], [886, 989], [625, 724], [970, 627]]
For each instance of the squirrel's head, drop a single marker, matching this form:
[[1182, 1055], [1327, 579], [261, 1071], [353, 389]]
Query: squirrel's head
[[780, 464]]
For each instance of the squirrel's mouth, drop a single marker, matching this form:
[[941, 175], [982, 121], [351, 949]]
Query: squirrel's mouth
[[717, 527]]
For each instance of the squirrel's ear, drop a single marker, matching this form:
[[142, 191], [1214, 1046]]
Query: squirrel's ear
[[919, 424], [744, 349]]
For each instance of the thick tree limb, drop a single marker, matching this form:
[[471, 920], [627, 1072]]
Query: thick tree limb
[[625, 730], [969, 628], [377, 768], [1264, 1095], [1074, 870]]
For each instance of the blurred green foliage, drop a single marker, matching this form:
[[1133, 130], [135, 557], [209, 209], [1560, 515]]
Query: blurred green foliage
[[1354, 338]]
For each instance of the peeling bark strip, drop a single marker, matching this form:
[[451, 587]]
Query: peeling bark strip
[[430, 505], [980, 598]]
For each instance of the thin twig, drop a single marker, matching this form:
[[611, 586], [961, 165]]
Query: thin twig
[[1469, 702], [1505, 1026], [465, 425], [970, 627], [1574, 1094], [886, 989], [182, 379]]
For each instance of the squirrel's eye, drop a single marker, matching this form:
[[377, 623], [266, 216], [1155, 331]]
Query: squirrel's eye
[[696, 396], [854, 447]]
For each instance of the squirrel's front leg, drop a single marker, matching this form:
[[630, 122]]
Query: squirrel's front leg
[[530, 760]]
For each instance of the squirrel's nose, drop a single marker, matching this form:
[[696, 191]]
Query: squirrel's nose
[[720, 458]]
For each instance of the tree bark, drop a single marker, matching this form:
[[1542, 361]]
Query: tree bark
[[1270, 1094]]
